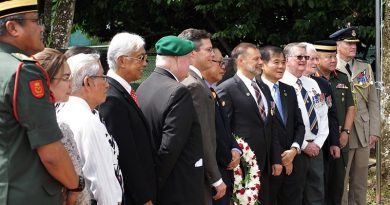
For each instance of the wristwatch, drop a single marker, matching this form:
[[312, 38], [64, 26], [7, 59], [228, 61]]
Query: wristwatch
[[81, 185], [346, 130]]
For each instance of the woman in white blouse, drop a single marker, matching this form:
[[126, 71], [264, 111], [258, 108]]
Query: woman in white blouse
[[54, 62], [98, 150]]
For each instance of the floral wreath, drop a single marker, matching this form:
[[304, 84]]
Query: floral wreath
[[246, 188]]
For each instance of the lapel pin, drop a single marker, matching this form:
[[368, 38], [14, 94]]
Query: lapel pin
[[248, 94]]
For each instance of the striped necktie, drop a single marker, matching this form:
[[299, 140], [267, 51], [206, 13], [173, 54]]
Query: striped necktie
[[260, 102], [309, 107]]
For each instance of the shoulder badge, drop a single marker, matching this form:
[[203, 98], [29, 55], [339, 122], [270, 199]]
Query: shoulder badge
[[361, 60], [37, 88], [23, 57]]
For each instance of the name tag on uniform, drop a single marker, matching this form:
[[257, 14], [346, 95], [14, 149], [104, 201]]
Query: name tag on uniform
[[341, 86]]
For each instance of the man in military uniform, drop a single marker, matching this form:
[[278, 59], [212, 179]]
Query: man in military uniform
[[342, 97], [366, 127], [33, 161]]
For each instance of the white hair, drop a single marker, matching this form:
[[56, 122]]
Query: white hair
[[309, 47], [123, 44], [83, 65]]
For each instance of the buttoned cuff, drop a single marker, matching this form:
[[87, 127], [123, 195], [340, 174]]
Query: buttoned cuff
[[237, 150], [217, 183], [296, 146]]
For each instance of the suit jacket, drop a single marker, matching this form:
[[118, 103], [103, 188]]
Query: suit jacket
[[367, 114], [292, 128], [176, 134], [246, 122], [205, 109], [333, 137], [127, 124], [225, 144]]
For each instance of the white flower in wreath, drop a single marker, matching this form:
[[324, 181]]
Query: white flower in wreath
[[246, 188]]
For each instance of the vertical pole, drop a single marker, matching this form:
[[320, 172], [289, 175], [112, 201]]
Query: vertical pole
[[378, 60]]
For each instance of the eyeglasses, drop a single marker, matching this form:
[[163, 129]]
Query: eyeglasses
[[220, 63], [301, 57], [65, 77], [141, 58], [104, 77], [209, 50]]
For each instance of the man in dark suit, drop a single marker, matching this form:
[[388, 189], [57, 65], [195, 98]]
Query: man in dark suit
[[248, 111], [201, 60], [228, 152], [125, 121], [290, 132], [168, 108]]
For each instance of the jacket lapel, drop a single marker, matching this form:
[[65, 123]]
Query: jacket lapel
[[123, 92], [242, 87]]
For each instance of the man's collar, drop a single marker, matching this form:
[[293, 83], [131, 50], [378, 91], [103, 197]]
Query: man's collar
[[120, 80], [268, 83], [196, 71]]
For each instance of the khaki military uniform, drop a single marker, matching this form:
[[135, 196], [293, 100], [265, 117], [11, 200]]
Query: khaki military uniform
[[366, 123], [23, 177]]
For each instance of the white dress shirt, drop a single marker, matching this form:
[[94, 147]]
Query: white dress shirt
[[98, 151], [321, 108], [248, 84], [120, 80]]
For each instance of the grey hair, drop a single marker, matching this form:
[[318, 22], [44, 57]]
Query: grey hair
[[123, 44], [309, 47], [83, 65], [3, 30], [290, 48]]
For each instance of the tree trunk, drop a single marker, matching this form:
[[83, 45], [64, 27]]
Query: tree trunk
[[385, 102], [62, 23], [47, 19]]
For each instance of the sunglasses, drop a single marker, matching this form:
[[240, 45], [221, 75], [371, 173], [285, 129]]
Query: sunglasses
[[301, 57]]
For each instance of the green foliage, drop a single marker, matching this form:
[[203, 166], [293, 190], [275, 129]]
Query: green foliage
[[263, 22]]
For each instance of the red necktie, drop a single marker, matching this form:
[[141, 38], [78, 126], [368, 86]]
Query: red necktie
[[134, 96]]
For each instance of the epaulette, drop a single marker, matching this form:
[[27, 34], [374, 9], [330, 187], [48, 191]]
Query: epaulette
[[23, 57], [361, 60]]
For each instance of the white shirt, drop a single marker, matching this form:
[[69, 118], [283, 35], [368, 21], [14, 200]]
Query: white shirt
[[321, 109], [98, 151], [248, 84], [193, 68], [120, 80]]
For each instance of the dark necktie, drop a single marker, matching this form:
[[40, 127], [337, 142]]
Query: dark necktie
[[309, 107], [347, 67], [260, 102], [134, 96]]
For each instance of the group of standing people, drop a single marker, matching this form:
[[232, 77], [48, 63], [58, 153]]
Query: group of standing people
[[69, 134]]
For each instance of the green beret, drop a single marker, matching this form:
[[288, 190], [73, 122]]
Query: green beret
[[174, 46]]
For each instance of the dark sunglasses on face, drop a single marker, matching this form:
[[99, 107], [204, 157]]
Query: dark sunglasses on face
[[301, 57]]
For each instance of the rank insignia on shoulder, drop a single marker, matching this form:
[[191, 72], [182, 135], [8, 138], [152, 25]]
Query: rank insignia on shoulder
[[37, 88], [22, 57]]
